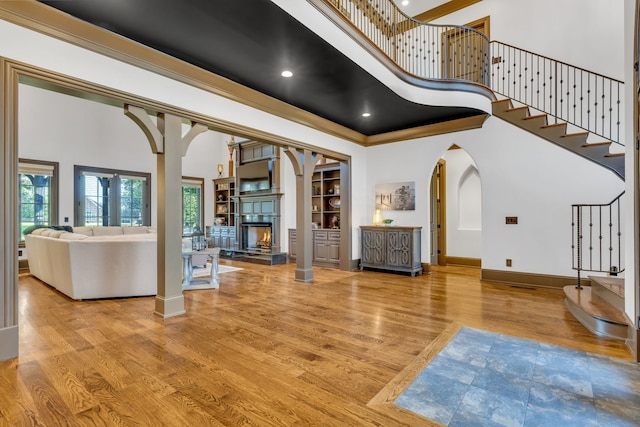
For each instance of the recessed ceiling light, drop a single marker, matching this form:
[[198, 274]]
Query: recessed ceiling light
[[366, 114], [286, 73], [405, 2]]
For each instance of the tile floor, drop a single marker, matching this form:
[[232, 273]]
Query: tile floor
[[485, 379]]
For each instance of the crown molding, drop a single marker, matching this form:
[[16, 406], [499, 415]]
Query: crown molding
[[458, 125], [444, 9]]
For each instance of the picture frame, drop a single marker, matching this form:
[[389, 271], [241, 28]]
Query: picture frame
[[397, 196]]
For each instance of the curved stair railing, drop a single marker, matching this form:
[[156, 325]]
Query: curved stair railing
[[597, 238], [426, 51], [587, 100]]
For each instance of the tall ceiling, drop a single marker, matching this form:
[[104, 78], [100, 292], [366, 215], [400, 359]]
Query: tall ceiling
[[251, 42]]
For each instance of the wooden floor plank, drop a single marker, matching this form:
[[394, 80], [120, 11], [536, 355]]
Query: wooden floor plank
[[261, 350]]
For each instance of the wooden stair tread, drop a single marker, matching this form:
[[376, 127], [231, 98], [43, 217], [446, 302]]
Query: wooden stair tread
[[593, 305], [597, 144], [553, 125], [538, 116], [530, 120], [575, 134], [614, 284]]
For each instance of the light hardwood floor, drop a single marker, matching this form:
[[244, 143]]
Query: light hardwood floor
[[262, 350]]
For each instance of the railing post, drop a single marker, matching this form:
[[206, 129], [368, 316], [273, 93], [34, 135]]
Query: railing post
[[579, 244], [555, 95]]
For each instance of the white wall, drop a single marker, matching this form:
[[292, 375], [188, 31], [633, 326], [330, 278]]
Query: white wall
[[585, 33], [632, 287], [522, 176], [463, 205]]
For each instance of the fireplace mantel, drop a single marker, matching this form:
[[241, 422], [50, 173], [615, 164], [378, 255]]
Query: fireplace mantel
[[254, 209]]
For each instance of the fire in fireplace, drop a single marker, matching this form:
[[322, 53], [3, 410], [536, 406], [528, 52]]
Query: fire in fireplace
[[257, 236]]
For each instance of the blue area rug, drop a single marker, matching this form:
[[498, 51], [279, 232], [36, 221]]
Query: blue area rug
[[485, 379]]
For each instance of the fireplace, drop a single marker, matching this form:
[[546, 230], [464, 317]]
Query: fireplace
[[257, 236]]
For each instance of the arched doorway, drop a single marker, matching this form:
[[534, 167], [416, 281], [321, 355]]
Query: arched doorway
[[456, 210]]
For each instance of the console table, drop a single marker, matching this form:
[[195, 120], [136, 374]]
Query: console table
[[187, 273], [391, 248]]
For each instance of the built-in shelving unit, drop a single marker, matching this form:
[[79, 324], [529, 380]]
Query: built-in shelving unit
[[224, 190], [223, 233], [325, 217], [326, 202]]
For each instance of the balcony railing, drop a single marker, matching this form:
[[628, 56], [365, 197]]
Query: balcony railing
[[588, 100], [585, 99], [426, 51]]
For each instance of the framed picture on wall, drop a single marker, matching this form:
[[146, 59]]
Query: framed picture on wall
[[397, 196]]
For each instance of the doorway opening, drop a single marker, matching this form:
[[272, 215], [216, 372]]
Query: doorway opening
[[456, 210]]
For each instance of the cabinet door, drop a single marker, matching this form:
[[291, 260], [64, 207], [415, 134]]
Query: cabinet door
[[373, 247], [225, 241], [292, 247], [320, 251], [399, 245], [334, 251]]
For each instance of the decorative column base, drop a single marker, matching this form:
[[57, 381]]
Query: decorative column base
[[170, 307], [9, 343], [304, 275]]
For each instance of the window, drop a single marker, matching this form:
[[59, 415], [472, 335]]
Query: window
[[192, 191], [38, 194], [106, 197]]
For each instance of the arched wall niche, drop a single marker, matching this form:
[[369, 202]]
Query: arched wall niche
[[470, 200], [463, 208]]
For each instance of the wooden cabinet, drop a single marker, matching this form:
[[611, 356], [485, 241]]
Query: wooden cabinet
[[223, 237], [326, 247], [252, 151], [325, 196], [391, 248], [224, 205]]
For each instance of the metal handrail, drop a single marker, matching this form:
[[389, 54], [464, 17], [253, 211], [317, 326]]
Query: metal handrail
[[430, 52], [426, 51], [572, 94], [596, 241]]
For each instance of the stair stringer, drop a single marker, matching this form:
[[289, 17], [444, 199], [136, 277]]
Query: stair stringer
[[558, 133]]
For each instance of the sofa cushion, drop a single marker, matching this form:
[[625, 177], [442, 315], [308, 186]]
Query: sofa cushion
[[107, 231], [38, 231], [135, 230], [87, 231], [55, 233], [73, 236], [46, 232], [33, 228], [124, 238]]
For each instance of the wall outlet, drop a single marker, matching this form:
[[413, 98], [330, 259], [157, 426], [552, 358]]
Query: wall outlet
[[19, 252], [508, 262], [511, 220], [66, 219]]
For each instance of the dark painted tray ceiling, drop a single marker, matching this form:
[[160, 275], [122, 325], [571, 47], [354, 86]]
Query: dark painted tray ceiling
[[251, 42]]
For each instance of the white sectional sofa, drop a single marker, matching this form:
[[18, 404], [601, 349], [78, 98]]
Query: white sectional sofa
[[95, 262]]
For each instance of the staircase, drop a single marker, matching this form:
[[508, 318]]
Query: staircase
[[557, 133], [599, 307], [571, 107]]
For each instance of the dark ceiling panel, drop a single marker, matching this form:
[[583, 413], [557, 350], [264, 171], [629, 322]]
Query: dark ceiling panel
[[251, 42]]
